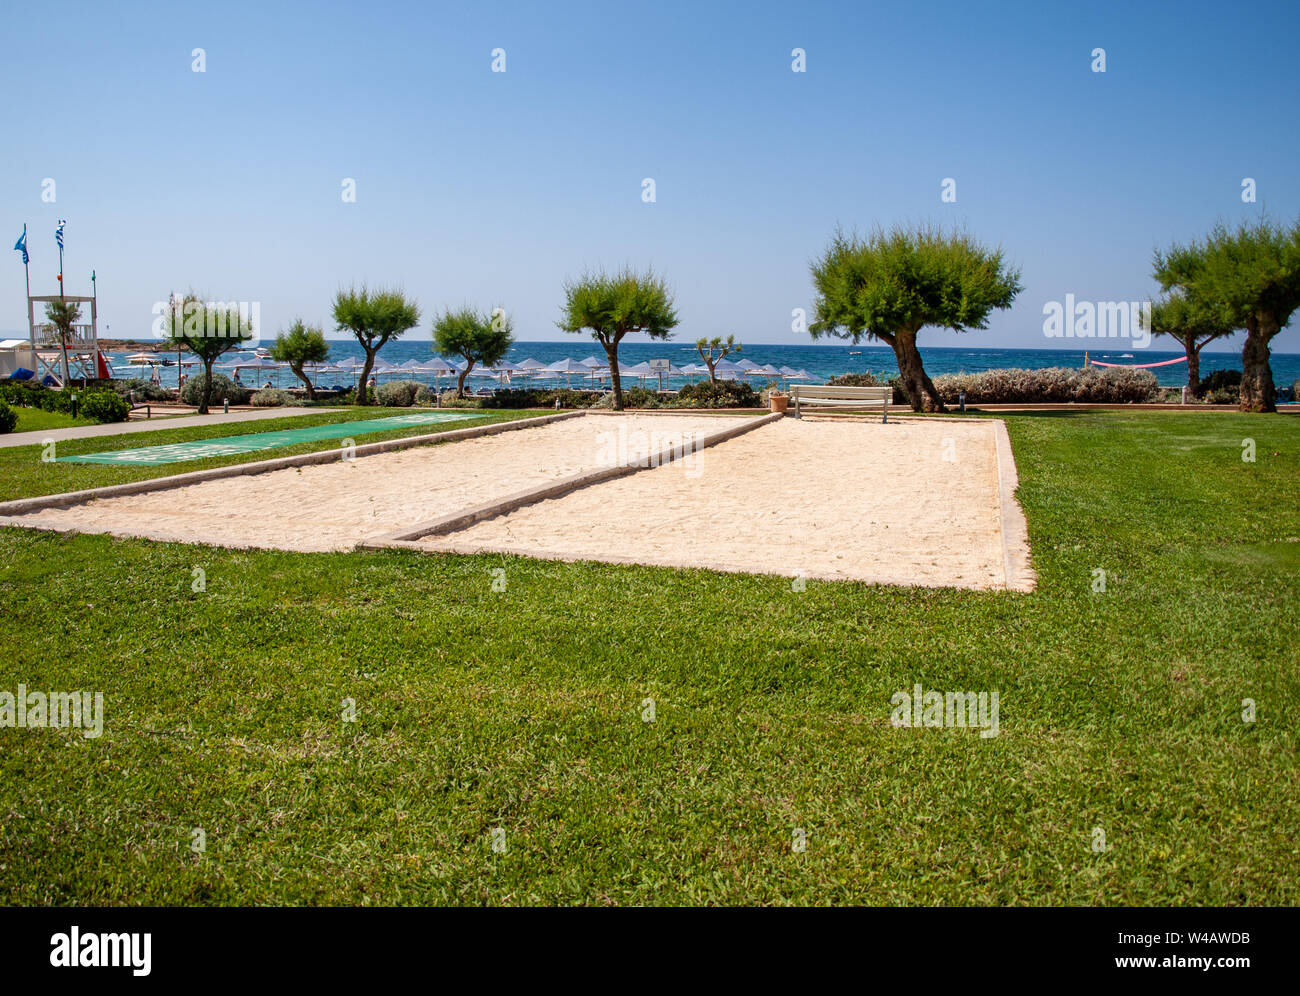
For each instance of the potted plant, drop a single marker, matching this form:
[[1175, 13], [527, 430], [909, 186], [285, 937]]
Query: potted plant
[[778, 401]]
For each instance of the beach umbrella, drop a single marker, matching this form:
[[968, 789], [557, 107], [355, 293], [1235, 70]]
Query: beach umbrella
[[726, 370], [260, 364], [567, 368], [746, 364]]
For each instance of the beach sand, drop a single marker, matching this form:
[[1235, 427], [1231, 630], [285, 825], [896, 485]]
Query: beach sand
[[334, 506], [911, 502]]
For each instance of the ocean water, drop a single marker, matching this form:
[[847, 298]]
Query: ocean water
[[822, 362]]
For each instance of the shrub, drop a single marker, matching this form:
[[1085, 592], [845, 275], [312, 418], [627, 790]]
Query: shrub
[[1222, 387], [19, 394], [640, 397], [866, 379], [271, 397], [223, 389], [722, 394], [450, 399], [103, 406], [531, 398], [424, 395], [398, 393], [142, 390], [1051, 384], [27, 394], [8, 417]]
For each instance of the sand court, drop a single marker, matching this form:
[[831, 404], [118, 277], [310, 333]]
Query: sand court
[[334, 506], [917, 502], [914, 502]]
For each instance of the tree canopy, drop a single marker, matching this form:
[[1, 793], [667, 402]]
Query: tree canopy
[[712, 351], [208, 329], [376, 318], [298, 345], [473, 336], [613, 305], [894, 283]]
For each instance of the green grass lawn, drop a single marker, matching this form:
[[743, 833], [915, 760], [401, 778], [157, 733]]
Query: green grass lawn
[[522, 709], [36, 420], [24, 474]]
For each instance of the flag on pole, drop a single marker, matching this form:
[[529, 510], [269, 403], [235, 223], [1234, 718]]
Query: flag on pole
[[58, 233], [21, 246]]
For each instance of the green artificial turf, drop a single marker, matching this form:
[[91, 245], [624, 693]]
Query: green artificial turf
[[25, 472], [518, 701]]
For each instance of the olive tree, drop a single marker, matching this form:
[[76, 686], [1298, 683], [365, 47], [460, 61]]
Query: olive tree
[[613, 306], [1250, 275], [208, 329], [718, 348], [376, 318], [894, 283], [299, 345], [474, 337]]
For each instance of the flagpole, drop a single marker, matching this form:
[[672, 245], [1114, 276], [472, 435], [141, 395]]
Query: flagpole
[[63, 338], [27, 276], [27, 272]]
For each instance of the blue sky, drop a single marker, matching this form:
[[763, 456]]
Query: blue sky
[[491, 188]]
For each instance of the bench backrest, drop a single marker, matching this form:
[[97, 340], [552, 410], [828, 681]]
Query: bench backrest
[[810, 392]]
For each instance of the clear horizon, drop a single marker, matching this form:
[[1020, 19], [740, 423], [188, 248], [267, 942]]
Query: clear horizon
[[490, 188]]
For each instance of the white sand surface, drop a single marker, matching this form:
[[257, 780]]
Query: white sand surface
[[913, 502], [333, 506]]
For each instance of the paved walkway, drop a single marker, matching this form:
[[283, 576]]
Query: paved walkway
[[152, 425]]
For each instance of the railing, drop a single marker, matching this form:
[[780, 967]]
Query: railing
[[82, 335]]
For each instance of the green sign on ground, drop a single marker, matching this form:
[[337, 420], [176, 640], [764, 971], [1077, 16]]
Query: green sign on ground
[[199, 449]]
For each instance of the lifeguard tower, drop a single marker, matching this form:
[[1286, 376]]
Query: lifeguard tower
[[81, 358]]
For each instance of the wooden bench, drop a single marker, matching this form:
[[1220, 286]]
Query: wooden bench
[[817, 395]]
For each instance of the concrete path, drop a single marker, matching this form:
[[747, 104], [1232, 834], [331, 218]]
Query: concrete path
[[39, 436]]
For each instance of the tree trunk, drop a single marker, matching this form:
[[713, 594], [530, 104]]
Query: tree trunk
[[1193, 368], [207, 385], [311, 393], [460, 380], [363, 386], [1257, 391], [611, 350], [918, 387]]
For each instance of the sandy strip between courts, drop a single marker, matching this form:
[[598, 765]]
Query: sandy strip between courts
[[911, 502], [333, 506]]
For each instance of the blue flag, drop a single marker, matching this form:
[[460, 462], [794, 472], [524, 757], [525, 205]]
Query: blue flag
[[21, 246], [58, 233]]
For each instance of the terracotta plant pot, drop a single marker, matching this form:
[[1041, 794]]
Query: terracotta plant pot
[[778, 402]]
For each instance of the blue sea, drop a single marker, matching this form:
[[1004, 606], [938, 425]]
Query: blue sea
[[821, 362]]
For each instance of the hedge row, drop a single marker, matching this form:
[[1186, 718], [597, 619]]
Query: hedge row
[[1113, 385]]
